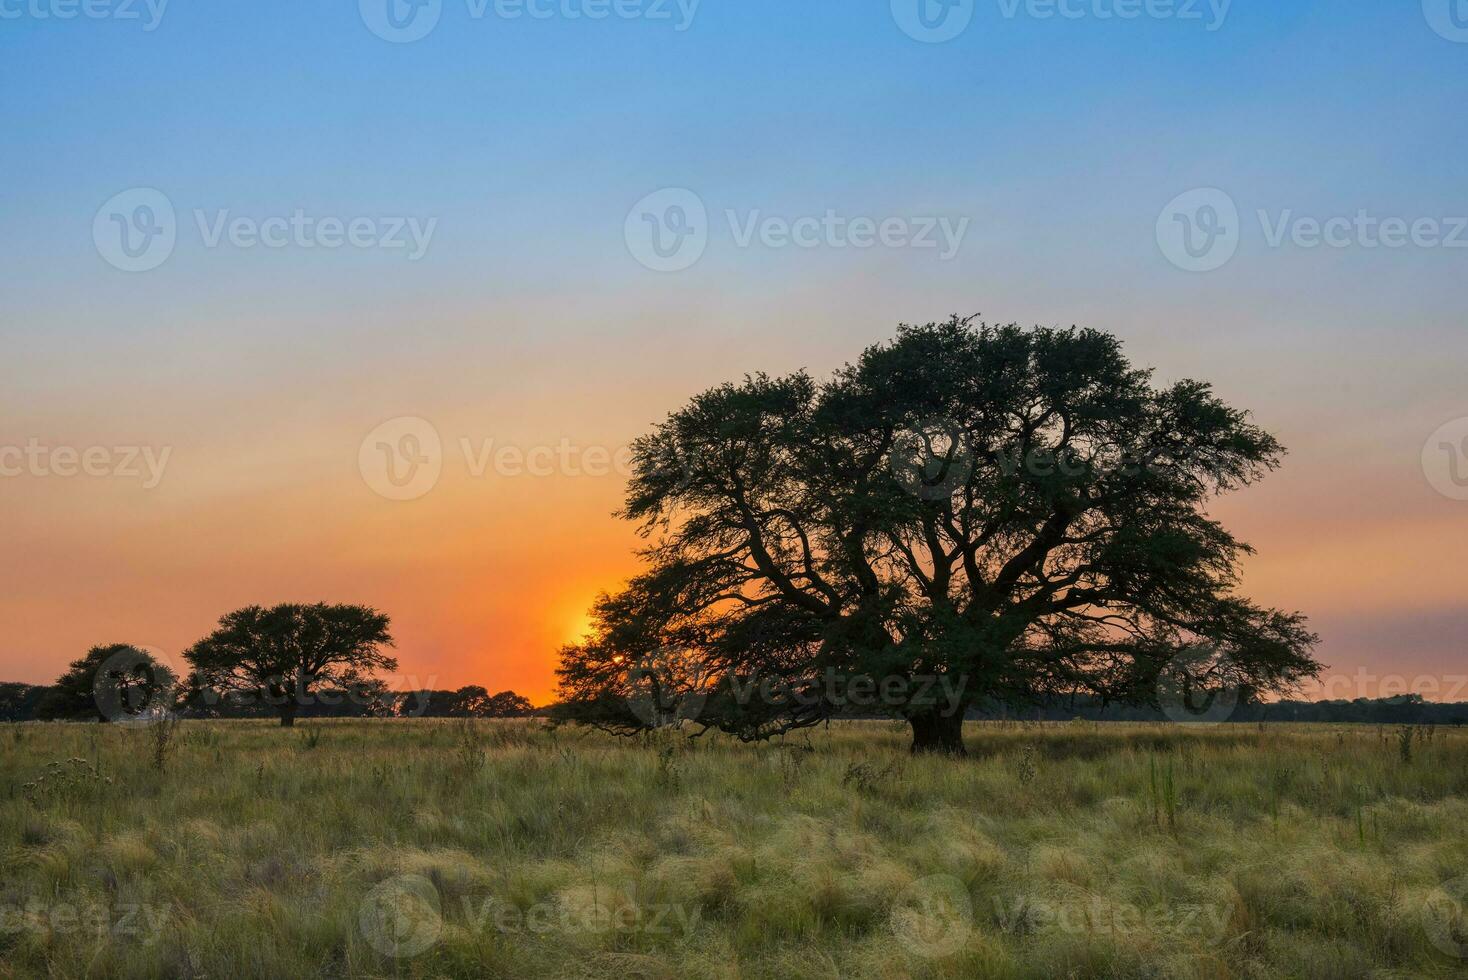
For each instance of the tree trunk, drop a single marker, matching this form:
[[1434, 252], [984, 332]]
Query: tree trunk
[[288, 715], [939, 732]]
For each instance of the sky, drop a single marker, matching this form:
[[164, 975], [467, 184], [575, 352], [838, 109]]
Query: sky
[[249, 245]]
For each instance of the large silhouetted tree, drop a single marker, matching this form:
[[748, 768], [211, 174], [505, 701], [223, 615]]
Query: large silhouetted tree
[[967, 513], [282, 654]]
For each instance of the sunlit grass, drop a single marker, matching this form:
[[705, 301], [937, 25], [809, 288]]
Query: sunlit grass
[[1059, 850]]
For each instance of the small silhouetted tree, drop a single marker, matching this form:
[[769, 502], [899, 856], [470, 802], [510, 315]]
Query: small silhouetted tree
[[113, 682], [283, 653], [474, 701], [507, 704], [967, 514], [468, 702]]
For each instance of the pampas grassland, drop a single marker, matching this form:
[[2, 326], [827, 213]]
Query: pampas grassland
[[507, 849]]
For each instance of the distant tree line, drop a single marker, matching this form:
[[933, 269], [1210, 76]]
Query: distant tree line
[[466, 702], [287, 661], [1405, 709], [56, 702], [371, 700], [43, 702]]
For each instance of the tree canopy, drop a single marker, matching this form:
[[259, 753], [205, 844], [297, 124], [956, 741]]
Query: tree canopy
[[967, 512], [285, 653]]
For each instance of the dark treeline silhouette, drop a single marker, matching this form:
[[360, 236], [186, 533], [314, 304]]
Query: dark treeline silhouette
[[466, 702], [24, 702], [18, 702], [370, 700], [1405, 709], [46, 702]]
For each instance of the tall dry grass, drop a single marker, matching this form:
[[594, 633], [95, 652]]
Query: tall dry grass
[[506, 849]]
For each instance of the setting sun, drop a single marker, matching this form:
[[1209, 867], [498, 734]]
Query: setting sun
[[580, 627]]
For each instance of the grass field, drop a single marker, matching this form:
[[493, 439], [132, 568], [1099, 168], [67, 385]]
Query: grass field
[[505, 849]]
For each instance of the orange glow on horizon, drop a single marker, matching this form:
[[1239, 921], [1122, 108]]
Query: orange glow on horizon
[[488, 575]]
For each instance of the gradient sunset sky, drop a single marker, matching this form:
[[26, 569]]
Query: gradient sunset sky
[[530, 321]]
